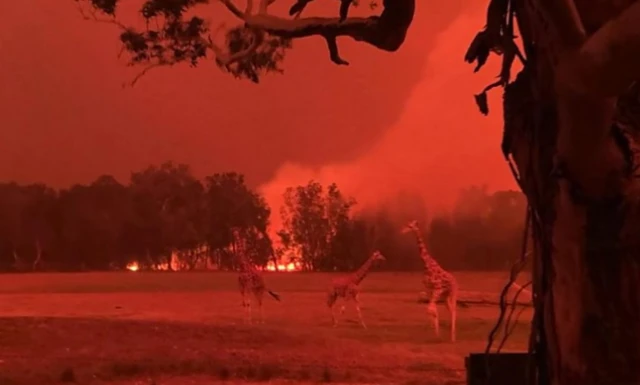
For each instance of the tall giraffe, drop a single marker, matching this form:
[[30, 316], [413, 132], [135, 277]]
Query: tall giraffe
[[347, 287], [250, 280], [439, 283]]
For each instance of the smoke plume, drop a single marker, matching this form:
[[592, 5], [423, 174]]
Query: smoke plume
[[440, 144]]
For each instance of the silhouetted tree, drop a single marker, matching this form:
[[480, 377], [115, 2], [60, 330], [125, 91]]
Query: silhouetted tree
[[38, 230], [312, 221], [89, 223], [386, 223], [26, 225], [166, 211], [354, 241], [483, 232], [305, 226], [231, 204], [12, 205], [167, 205]]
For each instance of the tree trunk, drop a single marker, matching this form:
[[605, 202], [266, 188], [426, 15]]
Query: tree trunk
[[588, 278], [18, 264], [593, 300], [38, 259], [585, 197]]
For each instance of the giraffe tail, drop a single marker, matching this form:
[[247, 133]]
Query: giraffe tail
[[275, 295]]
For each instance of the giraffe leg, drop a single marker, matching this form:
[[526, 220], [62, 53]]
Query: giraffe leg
[[246, 302], [332, 297], [357, 303], [433, 312], [246, 306], [334, 319], [249, 316], [432, 309], [452, 304]]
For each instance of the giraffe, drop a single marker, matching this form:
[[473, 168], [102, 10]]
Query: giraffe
[[347, 288], [250, 280], [439, 283]]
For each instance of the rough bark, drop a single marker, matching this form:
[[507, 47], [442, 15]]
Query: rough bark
[[572, 125]]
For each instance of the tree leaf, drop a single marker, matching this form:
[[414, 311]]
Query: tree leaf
[[482, 102]]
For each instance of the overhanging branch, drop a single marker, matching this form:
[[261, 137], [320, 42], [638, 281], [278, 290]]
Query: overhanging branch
[[259, 43], [386, 32]]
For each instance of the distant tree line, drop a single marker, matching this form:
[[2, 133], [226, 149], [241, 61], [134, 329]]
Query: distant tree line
[[164, 212]]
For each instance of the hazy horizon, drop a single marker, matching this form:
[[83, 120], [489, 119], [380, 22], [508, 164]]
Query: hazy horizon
[[404, 121]]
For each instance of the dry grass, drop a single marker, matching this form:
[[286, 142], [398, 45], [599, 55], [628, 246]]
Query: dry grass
[[184, 328]]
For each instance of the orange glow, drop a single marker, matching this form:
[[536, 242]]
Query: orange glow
[[289, 267], [133, 266], [401, 135], [286, 267]]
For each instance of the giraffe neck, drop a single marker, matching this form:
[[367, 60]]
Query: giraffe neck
[[424, 253], [245, 264], [359, 274]]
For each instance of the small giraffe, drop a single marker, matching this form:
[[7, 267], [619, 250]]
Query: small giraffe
[[439, 283], [347, 288], [251, 281]]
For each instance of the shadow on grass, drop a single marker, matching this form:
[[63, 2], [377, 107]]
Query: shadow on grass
[[224, 371], [467, 330], [79, 349], [74, 350]]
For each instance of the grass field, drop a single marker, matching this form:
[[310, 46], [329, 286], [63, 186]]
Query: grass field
[[187, 328]]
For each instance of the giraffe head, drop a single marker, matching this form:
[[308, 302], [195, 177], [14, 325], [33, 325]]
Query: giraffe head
[[377, 256], [411, 226]]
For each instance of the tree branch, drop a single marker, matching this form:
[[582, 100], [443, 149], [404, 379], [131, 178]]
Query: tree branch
[[94, 17], [264, 4], [184, 39], [566, 20], [235, 10], [588, 81], [142, 73], [386, 32], [225, 59], [609, 60]]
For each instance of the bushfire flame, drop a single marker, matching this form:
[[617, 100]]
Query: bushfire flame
[[283, 267], [133, 266]]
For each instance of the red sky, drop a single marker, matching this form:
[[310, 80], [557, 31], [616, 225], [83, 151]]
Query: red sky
[[405, 120]]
